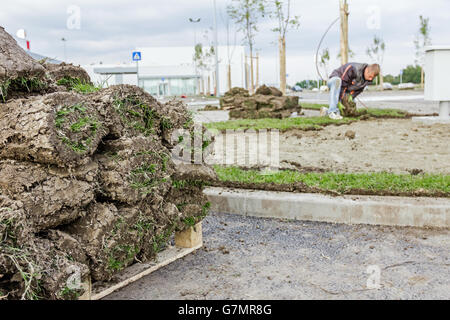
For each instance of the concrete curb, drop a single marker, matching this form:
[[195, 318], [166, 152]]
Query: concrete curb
[[376, 210]]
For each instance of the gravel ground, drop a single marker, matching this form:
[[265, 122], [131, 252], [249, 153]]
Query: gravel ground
[[254, 258]]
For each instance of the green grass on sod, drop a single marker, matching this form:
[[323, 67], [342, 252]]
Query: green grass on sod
[[342, 182], [301, 123], [372, 112], [385, 113], [310, 123], [85, 88], [312, 106]]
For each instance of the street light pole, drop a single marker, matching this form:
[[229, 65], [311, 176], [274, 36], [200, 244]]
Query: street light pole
[[64, 44], [195, 21], [216, 51]]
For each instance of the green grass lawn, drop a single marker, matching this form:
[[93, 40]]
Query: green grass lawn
[[341, 182], [386, 113], [302, 123], [309, 123], [312, 106], [373, 112]]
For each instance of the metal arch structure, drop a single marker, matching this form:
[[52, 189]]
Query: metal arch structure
[[320, 44], [317, 55]]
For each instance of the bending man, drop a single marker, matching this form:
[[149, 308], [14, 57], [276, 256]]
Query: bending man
[[347, 82]]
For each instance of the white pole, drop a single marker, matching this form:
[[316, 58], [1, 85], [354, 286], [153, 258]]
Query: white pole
[[137, 74], [444, 109], [216, 52]]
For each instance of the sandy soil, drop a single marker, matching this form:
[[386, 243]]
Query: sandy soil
[[399, 146], [383, 145]]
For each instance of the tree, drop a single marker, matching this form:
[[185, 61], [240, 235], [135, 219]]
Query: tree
[[376, 52], [281, 11], [392, 79], [245, 14], [230, 48], [344, 13], [350, 54], [204, 60], [412, 74], [307, 84], [422, 40], [324, 61]]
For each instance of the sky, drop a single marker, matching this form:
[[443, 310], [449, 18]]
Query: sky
[[109, 30]]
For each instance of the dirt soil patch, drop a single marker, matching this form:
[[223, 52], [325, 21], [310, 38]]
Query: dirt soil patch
[[388, 145], [398, 146]]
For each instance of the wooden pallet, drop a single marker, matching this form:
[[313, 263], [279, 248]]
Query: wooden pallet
[[185, 242]]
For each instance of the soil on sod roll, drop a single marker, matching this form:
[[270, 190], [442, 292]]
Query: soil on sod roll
[[59, 128], [349, 108], [88, 187], [67, 75], [119, 199], [267, 102], [209, 107], [269, 91], [134, 169], [20, 75], [52, 196]]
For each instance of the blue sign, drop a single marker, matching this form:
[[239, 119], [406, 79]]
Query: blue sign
[[137, 56]]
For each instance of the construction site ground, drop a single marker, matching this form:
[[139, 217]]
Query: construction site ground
[[256, 258], [382, 145]]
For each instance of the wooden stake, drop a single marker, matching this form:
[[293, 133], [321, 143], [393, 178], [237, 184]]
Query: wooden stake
[[252, 81], [208, 93], [257, 70], [344, 30], [247, 76], [229, 76], [282, 48]]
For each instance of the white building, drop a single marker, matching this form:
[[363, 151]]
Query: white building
[[170, 71]]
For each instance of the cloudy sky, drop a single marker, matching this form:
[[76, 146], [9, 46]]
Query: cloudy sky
[[109, 30]]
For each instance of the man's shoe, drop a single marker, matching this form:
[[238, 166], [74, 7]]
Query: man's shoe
[[335, 116], [323, 111]]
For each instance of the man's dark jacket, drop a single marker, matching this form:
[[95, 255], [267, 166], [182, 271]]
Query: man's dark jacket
[[352, 76]]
